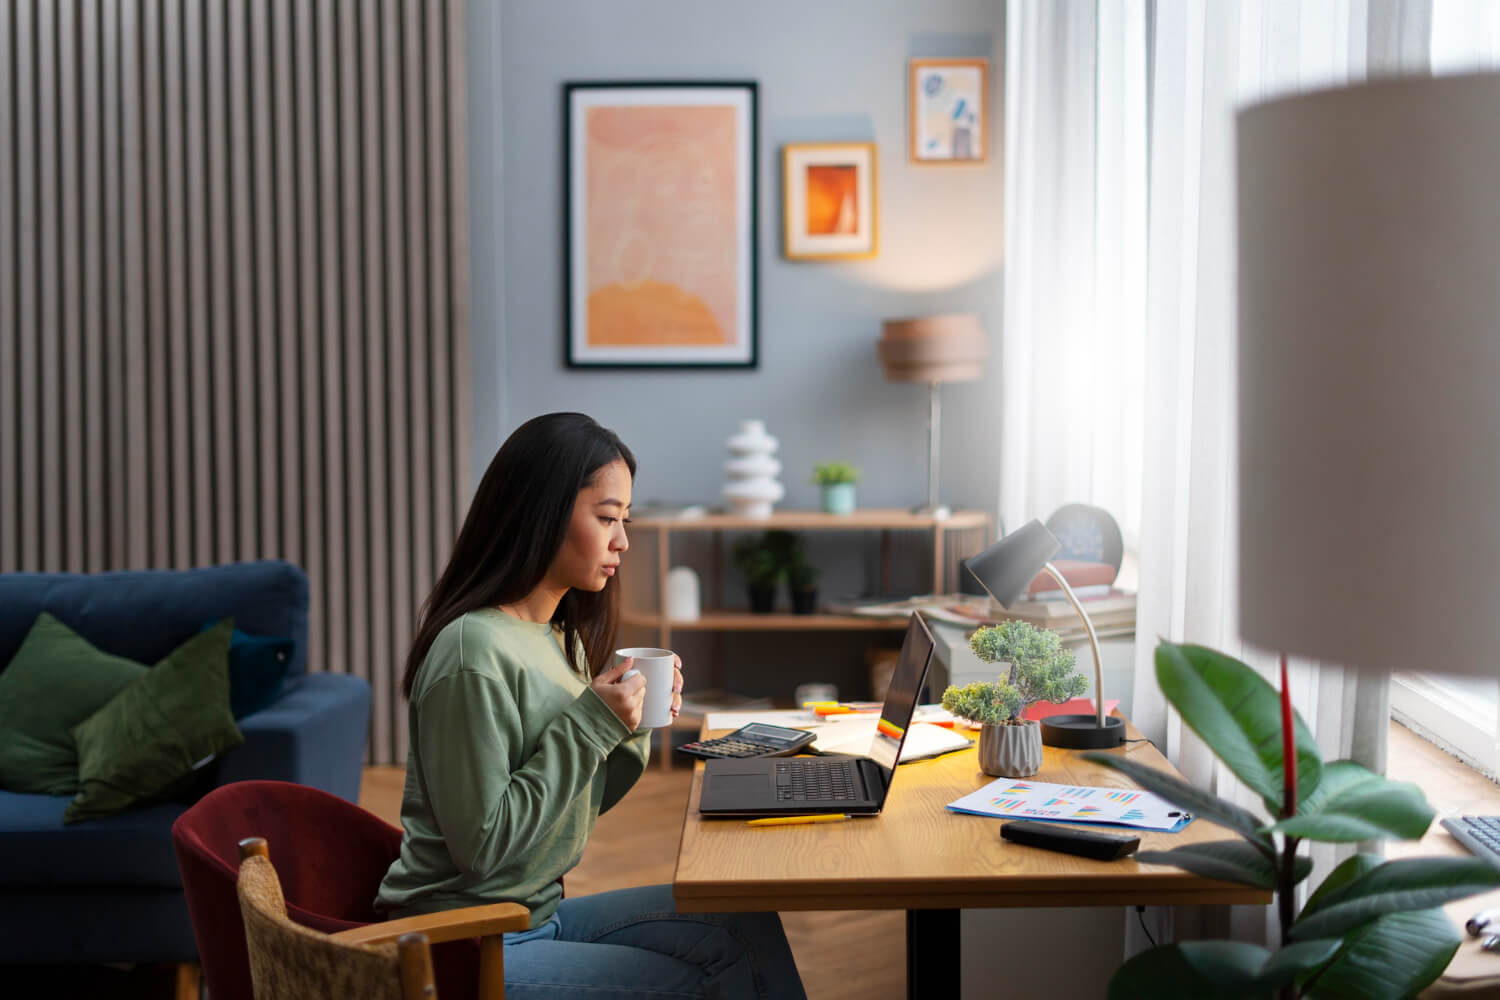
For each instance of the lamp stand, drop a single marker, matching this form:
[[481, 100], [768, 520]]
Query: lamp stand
[[1083, 732], [932, 508]]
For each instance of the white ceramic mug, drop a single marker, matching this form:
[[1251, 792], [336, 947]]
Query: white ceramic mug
[[656, 666]]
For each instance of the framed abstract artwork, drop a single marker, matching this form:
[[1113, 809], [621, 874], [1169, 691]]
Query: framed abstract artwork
[[949, 99], [661, 224], [829, 202]]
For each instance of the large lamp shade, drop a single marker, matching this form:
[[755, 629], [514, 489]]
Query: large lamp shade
[[1369, 371]]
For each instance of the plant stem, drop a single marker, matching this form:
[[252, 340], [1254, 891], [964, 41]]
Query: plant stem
[[1286, 887]]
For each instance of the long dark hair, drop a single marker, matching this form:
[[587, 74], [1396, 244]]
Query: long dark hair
[[514, 529]]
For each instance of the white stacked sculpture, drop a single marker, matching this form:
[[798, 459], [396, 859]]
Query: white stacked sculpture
[[752, 486]]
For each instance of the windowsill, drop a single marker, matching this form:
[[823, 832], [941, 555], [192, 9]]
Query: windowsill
[[1452, 787]]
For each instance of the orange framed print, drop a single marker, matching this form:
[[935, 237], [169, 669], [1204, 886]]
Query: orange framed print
[[949, 101], [828, 191], [661, 224]]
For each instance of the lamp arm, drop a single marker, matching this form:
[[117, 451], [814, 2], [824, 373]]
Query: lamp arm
[[1093, 640]]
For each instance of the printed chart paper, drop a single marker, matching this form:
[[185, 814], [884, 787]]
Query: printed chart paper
[[1016, 798]]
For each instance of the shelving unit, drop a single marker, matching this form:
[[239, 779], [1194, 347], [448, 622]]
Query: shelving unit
[[643, 578], [645, 583]]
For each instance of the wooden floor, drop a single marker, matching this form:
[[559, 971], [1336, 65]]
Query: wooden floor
[[857, 954], [841, 955]]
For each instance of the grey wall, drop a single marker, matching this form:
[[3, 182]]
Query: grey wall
[[827, 71]]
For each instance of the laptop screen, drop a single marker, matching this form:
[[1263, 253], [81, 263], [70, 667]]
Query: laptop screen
[[901, 697]]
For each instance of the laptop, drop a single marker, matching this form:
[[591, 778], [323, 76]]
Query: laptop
[[794, 786]]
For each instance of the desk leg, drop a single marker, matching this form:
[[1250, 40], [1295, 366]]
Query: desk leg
[[933, 953]]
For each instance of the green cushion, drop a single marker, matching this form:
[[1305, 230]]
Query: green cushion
[[56, 680], [157, 731]]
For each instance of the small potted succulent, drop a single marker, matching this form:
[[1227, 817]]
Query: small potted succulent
[[1010, 746], [763, 568], [837, 480]]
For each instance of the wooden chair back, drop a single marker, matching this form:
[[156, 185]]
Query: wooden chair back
[[292, 962]]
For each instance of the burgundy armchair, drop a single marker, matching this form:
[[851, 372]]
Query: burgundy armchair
[[330, 855]]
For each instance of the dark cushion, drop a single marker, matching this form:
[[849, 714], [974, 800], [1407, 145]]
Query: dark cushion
[[56, 680], [168, 723], [145, 614], [257, 670], [133, 848]]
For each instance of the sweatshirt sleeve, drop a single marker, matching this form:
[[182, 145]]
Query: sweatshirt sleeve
[[625, 766], [491, 805]]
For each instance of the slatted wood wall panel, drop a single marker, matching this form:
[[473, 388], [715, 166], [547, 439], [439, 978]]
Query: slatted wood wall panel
[[234, 300]]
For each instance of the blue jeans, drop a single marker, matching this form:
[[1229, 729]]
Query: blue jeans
[[634, 943]]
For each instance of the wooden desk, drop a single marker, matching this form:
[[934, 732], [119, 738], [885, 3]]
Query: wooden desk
[[920, 857]]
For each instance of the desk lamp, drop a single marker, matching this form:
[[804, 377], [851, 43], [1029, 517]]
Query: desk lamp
[[1369, 374], [932, 349], [1004, 570]]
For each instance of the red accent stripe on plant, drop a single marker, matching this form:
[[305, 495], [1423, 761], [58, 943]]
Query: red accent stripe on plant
[[1288, 747]]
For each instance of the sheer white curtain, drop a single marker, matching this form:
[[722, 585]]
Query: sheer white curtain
[[1075, 273], [1119, 339]]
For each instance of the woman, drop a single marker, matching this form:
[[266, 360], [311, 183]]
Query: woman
[[522, 733]]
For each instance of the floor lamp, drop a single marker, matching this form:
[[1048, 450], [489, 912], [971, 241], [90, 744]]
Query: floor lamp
[[1369, 374], [933, 349]]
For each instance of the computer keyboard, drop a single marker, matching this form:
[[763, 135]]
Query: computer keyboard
[[806, 779], [1480, 834]]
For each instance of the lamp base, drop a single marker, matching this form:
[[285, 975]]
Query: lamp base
[[1083, 732], [939, 512]]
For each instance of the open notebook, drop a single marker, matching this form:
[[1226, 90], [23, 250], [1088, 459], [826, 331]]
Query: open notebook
[[855, 735]]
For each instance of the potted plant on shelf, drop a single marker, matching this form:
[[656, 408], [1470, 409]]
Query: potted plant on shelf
[[1373, 928], [802, 580], [1010, 746], [837, 480], [801, 576], [763, 570]]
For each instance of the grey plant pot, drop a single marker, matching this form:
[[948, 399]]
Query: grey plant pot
[[1011, 751]]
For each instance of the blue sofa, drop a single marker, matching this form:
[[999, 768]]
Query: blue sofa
[[108, 890]]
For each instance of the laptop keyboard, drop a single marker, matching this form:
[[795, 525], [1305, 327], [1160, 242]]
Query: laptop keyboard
[[809, 779], [1480, 834]]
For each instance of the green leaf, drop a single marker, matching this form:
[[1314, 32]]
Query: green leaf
[[1195, 800], [1347, 871], [1394, 887], [1191, 969], [1353, 804], [1398, 955], [1230, 860], [1291, 962], [1238, 714]]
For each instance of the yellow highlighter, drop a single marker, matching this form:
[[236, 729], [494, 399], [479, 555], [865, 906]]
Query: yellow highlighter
[[790, 820]]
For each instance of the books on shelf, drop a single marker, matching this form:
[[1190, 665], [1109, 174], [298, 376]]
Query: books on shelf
[[1094, 577], [1112, 613]]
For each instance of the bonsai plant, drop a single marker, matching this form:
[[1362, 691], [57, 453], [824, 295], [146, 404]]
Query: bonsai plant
[[1040, 670], [1373, 928], [763, 569], [837, 480]]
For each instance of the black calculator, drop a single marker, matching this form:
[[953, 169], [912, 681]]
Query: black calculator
[[755, 740]]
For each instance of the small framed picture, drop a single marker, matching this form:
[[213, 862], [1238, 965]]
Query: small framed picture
[[661, 224], [828, 190], [949, 100]]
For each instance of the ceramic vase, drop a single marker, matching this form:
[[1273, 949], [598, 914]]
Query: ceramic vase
[[683, 603], [752, 488], [1011, 751]]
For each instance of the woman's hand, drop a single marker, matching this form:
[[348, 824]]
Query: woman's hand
[[625, 696], [676, 685]]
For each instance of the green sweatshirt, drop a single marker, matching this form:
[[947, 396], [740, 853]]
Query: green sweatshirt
[[512, 759]]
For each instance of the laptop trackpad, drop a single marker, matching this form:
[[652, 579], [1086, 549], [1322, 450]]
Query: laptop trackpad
[[740, 787]]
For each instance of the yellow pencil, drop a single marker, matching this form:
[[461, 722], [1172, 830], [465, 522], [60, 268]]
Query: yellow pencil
[[789, 820]]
